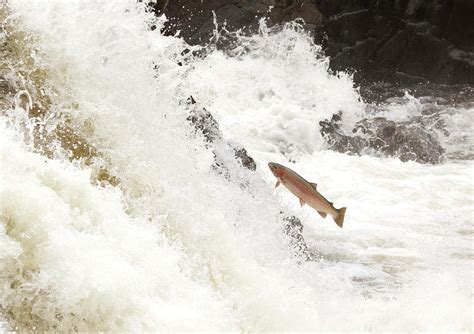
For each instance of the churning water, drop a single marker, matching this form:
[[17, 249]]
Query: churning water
[[113, 219]]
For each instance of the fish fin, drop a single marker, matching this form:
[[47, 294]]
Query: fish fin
[[322, 214], [339, 219], [314, 185], [277, 184], [301, 202]]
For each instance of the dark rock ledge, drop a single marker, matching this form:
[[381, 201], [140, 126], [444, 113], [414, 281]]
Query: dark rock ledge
[[402, 41], [204, 123]]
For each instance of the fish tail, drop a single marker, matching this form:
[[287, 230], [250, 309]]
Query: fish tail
[[339, 219]]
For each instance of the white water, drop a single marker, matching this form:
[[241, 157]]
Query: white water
[[178, 247]]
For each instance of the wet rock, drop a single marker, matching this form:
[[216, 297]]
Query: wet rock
[[381, 40], [6, 89], [157, 6], [401, 41], [460, 25], [294, 229], [241, 155], [338, 141], [195, 22], [407, 141], [6, 94], [441, 94], [205, 123], [285, 11]]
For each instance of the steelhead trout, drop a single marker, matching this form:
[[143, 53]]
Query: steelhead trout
[[306, 192]]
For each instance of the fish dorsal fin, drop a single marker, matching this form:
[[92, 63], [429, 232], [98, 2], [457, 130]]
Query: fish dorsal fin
[[314, 185]]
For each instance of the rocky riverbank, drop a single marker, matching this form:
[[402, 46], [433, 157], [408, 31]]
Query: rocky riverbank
[[406, 41], [423, 46]]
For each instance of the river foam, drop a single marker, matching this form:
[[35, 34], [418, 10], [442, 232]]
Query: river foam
[[175, 246]]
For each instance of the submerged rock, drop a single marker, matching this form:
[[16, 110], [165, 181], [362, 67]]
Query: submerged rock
[[337, 140], [6, 94], [294, 229], [404, 140], [205, 123], [6, 90], [246, 160]]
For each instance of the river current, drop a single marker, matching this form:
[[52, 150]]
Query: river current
[[112, 217]]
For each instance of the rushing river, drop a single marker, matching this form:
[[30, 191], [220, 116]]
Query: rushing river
[[113, 219]]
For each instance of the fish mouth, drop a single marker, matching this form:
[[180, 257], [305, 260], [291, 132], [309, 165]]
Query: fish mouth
[[274, 167]]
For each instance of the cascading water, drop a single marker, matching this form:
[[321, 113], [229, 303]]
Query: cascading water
[[113, 219]]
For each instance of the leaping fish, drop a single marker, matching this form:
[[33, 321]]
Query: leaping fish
[[306, 192]]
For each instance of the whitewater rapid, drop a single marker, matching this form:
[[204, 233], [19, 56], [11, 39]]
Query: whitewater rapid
[[163, 243]]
